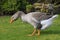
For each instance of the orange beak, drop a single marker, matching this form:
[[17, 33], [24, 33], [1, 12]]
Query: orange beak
[[11, 21]]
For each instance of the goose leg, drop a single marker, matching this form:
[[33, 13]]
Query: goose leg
[[33, 33], [38, 32], [38, 28]]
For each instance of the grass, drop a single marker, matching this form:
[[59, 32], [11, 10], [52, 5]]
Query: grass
[[19, 30]]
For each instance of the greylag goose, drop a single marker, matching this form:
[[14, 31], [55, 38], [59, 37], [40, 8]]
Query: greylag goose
[[39, 20]]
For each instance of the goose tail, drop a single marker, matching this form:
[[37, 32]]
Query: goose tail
[[54, 16]]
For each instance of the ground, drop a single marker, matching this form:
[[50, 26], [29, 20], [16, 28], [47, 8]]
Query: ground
[[19, 30]]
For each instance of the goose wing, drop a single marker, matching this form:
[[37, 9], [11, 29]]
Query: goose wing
[[41, 16]]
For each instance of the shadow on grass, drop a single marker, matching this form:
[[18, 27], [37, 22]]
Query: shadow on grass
[[51, 32]]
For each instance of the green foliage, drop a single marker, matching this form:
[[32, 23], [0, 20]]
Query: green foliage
[[28, 8], [10, 5], [24, 5]]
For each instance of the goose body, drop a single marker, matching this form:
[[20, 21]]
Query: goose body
[[45, 23], [39, 20]]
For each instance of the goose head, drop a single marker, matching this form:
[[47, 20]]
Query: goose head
[[16, 16]]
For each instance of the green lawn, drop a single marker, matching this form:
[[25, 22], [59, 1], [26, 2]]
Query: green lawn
[[19, 30]]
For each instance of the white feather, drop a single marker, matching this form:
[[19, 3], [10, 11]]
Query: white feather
[[48, 22]]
